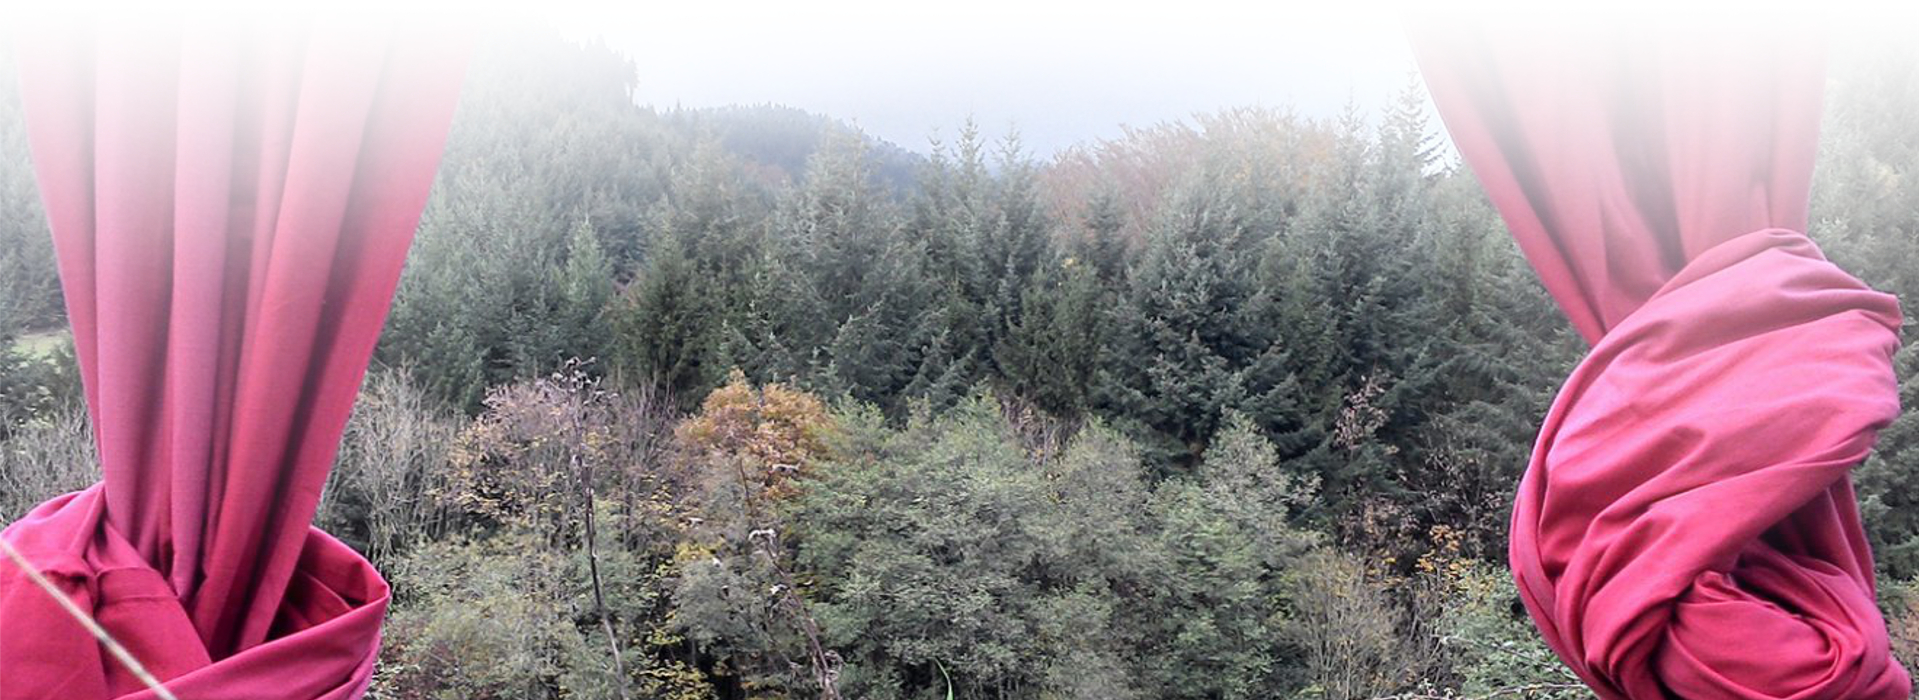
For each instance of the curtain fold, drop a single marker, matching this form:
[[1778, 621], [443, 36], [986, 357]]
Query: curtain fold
[[1686, 526], [231, 203]]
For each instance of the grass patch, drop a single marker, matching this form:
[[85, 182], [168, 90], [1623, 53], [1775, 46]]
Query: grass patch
[[41, 344]]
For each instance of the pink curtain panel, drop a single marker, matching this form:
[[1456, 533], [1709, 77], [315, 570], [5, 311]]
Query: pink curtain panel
[[1687, 526], [231, 208]]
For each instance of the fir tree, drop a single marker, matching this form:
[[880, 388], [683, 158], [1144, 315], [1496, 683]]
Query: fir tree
[[1102, 247], [586, 285], [1174, 365], [1050, 354], [667, 333]]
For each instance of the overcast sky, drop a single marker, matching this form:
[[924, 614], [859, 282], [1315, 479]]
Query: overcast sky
[[1063, 72]]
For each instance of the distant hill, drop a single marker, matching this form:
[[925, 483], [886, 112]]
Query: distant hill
[[780, 138]]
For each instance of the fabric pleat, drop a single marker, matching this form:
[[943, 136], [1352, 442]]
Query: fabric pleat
[[231, 203], [1687, 526]]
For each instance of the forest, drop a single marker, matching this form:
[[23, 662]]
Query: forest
[[742, 403]]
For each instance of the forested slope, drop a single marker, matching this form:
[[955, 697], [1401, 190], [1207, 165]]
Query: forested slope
[[1227, 408]]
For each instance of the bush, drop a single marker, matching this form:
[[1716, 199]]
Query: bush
[[479, 620], [1491, 646], [550, 581], [1220, 541], [1900, 601], [34, 385], [393, 458], [45, 458], [1347, 628], [946, 549], [737, 464], [507, 617]]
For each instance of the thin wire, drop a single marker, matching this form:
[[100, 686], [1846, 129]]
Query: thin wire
[[85, 620]]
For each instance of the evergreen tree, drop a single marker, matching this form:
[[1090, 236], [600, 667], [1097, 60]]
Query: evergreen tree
[[476, 276], [946, 546], [1227, 533], [1050, 353], [29, 281], [987, 243], [667, 331], [867, 295], [1103, 247], [545, 139], [1339, 284], [586, 285], [1497, 349], [719, 215], [760, 333], [1174, 366], [1887, 503], [18, 394]]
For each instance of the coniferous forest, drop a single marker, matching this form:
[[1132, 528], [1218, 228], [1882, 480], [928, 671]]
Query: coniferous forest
[[742, 403]]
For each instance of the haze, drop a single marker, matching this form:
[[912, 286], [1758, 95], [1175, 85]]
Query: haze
[[1062, 73]]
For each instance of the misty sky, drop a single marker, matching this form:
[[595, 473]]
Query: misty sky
[[1064, 72]]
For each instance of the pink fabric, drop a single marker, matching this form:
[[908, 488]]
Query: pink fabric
[[231, 210], [1687, 526]]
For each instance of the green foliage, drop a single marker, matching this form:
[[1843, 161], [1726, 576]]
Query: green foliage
[[735, 595], [546, 150], [863, 285], [1484, 378], [774, 142], [1102, 247], [30, 385], [507, 617], [1900, 602], [1050, 352], [36, 385], [1225, 408], [29, 285], [479, 620], [19, 393], [46, 457], [1227, 537], [946, 545], [1491, 645], [1341, 617], [533, 559], [1181, 342], [667, 330], [1887, 502]]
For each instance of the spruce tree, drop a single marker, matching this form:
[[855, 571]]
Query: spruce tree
[[666, 329], [1174, 364], [1050, 353], [586, 284], [867, 296], [1102, 246], [1863, 218]]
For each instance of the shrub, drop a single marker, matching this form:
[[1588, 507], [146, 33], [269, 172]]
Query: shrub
[[947, 549], [393, 458], [478, 620], [1491, 646], [1901, 604], [738, 461], [45, 458], [1224, 537]]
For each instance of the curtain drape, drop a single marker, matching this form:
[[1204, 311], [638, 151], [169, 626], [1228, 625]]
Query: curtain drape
[[231, 203], [1686, 526]]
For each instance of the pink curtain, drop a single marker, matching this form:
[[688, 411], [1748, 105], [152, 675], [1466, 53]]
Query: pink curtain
[[231, 207], [1686, 527]]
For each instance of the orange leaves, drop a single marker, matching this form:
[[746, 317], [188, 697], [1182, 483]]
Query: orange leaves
[[774, 430]]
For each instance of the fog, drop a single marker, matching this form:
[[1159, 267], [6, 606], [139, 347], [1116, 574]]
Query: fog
[[1061, 73]]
